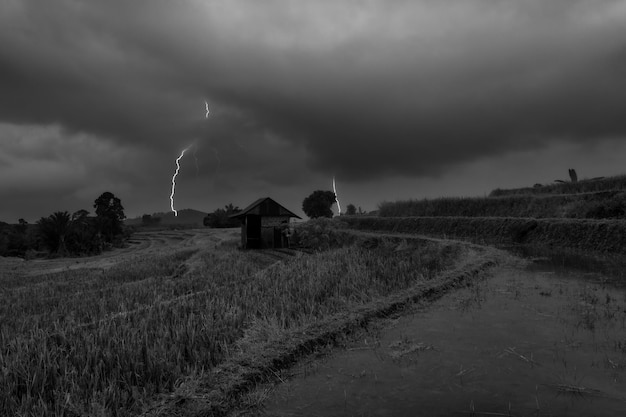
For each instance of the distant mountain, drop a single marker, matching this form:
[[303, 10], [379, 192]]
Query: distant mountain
[[185, 216]]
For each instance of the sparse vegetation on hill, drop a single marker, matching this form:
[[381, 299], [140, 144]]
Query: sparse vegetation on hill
[[149, 220], [186, 217], [219, 218], [62, 234], [18, 240], [600, 199], [582, 186]]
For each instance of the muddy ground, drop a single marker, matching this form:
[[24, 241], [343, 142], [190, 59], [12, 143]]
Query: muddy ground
[[534, 340]]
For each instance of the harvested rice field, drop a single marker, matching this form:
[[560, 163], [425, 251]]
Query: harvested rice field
[[184, 323]]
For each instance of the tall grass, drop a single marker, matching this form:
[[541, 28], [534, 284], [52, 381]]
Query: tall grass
[[604, 184], [607, 204], [104, 343], [583, 234]]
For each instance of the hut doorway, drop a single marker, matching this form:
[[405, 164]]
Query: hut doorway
[[253, 231]]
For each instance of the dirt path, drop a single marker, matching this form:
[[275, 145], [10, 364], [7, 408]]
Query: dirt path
[[522, 342], [141, 244]]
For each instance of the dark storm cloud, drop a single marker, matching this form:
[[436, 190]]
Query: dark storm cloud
[[360, 89], [416, 106]]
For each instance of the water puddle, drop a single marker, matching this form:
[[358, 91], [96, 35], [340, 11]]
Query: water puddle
[[603, 267], [539, 341]]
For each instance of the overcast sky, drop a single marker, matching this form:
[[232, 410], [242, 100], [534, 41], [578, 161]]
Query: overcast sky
[[396, 99]]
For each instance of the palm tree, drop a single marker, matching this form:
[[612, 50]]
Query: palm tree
[[53, 231], [230, 209]]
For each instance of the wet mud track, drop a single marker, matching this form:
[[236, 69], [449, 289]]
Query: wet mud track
[[523, 342]]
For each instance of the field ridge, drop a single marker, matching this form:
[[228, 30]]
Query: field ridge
[[220, 392], [582, 234], [601, 199]]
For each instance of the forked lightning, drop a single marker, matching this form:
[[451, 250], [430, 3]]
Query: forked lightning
[[193, 145], [336, 198], [174, 178]]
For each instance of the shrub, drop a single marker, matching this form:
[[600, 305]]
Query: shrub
[[320, 234]]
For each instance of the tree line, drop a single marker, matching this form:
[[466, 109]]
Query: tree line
[[65, 234], [220, 217]]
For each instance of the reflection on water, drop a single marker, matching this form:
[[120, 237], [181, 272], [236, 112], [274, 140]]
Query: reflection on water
[[538, 342], [607, 267]]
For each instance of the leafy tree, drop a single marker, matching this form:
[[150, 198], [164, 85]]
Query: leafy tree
[[318, 204], [110, 214], [350, 210], [219, 218], [148, 220], [84, 237], [63, 234], [107, 205], [15, 239], [22, 225], [230, 209], [80, 215]]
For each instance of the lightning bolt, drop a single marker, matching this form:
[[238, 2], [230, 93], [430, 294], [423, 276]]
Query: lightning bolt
[[206, 116], [194, 145], [217, 154], [336, 198], [174, 178]]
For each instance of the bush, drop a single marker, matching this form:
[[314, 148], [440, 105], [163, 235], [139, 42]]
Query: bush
[[17, 239], [220, 218], [320, 234]]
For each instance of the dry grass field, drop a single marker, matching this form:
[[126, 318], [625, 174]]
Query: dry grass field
[[65, 323], [142, 244], [130, 331]]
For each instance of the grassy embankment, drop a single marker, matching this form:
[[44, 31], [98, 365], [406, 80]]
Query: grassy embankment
[[594, 218], [601, 199], [597, 205], [90, 342], [617, 182], [587, 235]]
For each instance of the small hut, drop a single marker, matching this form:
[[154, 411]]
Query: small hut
[[264, 224]]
